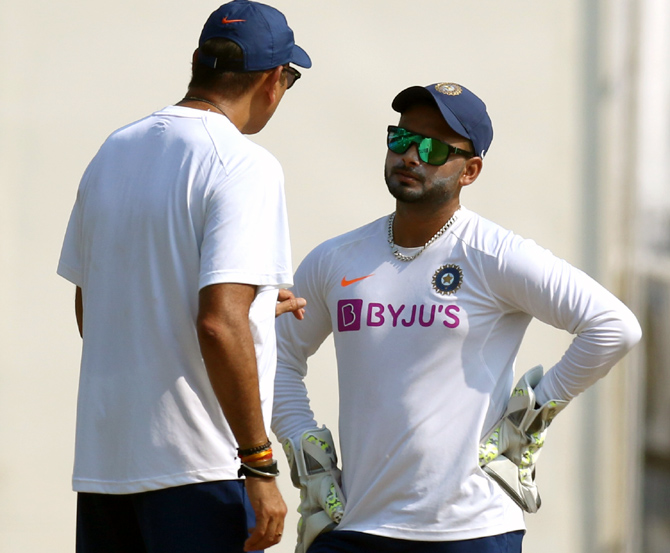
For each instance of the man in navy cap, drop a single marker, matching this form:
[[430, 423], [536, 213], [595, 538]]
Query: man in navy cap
[[428, 307], [178, 246]]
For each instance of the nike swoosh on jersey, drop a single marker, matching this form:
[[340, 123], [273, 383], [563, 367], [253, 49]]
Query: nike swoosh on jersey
[[346, 282]]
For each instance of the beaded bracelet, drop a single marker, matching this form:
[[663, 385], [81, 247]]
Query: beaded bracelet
[[251, 450]]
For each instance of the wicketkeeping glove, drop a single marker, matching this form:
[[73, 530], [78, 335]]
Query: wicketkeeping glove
[[509, 452], [313, 463]]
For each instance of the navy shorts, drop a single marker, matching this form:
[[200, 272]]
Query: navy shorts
[[359, 542], [212, 517]]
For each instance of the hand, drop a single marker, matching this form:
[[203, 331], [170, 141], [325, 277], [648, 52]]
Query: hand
[[511, 435], [313, 463], [509, 453], [288, 303], [270, 511]]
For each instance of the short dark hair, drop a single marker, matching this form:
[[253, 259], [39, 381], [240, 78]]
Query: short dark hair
[[233, 83]]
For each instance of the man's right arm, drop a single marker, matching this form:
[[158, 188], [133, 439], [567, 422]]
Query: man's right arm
[[228, 351]]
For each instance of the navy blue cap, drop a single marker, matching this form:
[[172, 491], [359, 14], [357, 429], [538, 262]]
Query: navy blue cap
[[259, 30], [464, 112]]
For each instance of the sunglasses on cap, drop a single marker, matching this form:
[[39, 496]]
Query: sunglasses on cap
[[293, 76], [431, 150]]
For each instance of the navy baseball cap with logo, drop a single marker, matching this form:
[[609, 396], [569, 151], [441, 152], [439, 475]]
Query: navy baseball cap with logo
[[464, 112], [259, 30]]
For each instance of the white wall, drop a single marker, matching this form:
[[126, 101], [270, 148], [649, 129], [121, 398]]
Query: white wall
[[72, 72]]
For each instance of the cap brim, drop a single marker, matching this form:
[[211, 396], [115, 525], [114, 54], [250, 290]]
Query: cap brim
[[300, 57], [419, 94]]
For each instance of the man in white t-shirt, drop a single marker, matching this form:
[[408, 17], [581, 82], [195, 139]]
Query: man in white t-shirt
[[428, 308], [178, 244]]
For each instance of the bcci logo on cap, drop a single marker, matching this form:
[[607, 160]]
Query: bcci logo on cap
[[447, 279], [450, 89]]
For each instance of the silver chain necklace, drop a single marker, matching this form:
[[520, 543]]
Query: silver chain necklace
[[394, 248]]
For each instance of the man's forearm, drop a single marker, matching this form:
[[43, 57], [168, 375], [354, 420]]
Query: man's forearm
[[231, 365], [228, 352]]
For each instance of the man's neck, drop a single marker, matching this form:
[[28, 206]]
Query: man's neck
[[413, 226], [238, 111]]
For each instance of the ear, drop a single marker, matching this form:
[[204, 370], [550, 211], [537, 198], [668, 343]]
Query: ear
[[271, 83], [194, 59], [471, 170]]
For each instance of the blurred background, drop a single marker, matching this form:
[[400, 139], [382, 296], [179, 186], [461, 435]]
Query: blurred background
[[579, 95]]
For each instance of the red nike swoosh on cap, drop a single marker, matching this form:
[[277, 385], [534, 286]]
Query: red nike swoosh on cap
[[346, 282], [225, 20]]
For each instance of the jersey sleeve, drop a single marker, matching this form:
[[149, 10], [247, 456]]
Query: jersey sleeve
[[296, 342], [246, 237], [70, 264], [531, 279]]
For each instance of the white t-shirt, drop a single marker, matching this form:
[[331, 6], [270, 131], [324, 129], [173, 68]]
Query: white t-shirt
[[170, 204], [425, 354]]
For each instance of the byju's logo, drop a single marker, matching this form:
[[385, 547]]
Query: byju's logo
[[349, 315], [352, 315]]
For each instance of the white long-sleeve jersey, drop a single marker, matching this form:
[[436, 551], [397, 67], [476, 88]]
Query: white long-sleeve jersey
[[425, 353]]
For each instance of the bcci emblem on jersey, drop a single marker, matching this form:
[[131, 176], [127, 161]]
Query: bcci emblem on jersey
[[447, 279]]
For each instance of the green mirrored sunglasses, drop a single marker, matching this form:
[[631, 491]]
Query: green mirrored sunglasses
[[431, 150]]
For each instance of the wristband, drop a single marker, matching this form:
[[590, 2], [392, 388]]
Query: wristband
[[265, 471], [265, 455]]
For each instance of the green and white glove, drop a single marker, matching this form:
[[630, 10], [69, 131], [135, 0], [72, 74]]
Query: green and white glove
[[509, 452], [313, 463]]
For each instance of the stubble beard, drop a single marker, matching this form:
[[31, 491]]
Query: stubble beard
[[441, 191]]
